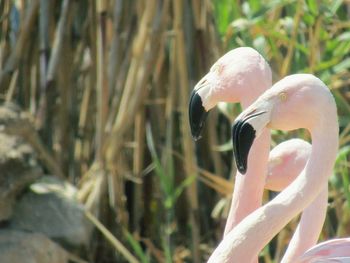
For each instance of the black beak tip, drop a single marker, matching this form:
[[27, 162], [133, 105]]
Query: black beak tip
[[197, 115], [242, 169], [196, 137], [243, 135]]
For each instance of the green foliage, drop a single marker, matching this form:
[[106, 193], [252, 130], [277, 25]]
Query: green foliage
[[171, 193], [295, 36], [166, 178], [342, 183], [136, 247]]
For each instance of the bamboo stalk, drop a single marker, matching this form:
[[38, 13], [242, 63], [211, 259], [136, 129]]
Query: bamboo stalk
[[141, 66], [314, 45], [67, 94], [115, 52], [57, 47], [196, 6], [80, 157], [290, 49], [124, 53], [112, 239], [24, 34], [44, 42], [101, 81], [5, 28], [212, 137], [216, 182], [133, 90], [33, 89], [138, 159], [187, 143], [11, 90], [44, 47], [45, 111]]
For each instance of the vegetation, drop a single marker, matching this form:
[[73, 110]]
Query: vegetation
[[107, 85]]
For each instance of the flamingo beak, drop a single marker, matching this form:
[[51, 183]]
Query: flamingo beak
[[245, 129], [197, 115]]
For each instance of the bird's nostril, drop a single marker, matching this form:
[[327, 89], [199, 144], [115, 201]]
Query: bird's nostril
[[203, 82], [250, 113]]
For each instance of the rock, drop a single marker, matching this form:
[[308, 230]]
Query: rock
[[18, 168], [50, 208], [17, 246]]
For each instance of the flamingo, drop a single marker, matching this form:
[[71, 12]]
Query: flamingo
[[297, 101], [241, 75]]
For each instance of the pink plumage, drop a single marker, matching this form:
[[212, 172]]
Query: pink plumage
[[297, 101], [231, 80], [334, 250]]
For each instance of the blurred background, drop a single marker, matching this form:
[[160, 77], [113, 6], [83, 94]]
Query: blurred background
[[95, 102]]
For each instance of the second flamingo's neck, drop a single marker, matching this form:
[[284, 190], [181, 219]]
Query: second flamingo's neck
[[249, 188], [245, 241]]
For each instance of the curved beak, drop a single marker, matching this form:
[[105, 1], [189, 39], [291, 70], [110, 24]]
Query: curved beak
[[197, 114], [245, 129]]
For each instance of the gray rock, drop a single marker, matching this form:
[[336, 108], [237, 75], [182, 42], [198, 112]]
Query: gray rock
[[18, 168], [18, 247], [50, 208]]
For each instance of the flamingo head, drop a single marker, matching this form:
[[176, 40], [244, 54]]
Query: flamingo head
[[238, 76], [292, 103]]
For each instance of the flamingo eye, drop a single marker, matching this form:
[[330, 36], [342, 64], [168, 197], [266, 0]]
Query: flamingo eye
[[283, 96]]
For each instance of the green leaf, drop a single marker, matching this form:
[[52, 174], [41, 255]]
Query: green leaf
[[309, 19], [135, 245], [167, 248], [342, 66], [189, 180], [165, 181], [247, 10], [342, 49], [335, 5], [342, 154], [255, 5], [241, 24], [224, 147], [312, 6], [341, 163]]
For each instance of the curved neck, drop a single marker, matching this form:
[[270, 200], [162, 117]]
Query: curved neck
[[245, 241], [249, 188], [309, 228]]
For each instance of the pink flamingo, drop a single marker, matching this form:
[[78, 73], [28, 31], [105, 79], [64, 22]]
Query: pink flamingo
[[230, 79], [241, 75], [297, 101]]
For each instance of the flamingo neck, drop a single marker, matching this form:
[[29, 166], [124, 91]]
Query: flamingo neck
[[249, 188], [309, 228], [245, 241]]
